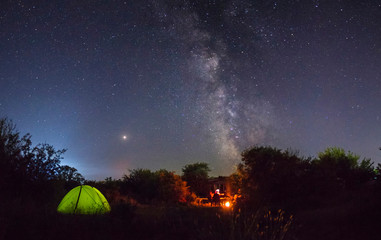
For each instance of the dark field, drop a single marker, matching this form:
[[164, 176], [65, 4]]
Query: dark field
[[357, 218]]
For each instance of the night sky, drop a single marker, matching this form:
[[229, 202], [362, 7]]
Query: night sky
[[161, 84]]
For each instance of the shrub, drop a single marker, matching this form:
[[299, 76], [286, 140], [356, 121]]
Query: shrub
[[161, 186]]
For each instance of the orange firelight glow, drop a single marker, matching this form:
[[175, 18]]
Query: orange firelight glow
[[227, 204]]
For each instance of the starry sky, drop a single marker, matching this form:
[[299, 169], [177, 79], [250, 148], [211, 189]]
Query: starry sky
[[164, 83]]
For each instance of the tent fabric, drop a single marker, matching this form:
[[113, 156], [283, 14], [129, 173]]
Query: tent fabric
[[84, 199]]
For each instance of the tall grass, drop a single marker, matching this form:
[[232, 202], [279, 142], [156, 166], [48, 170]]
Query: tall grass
[[245, 225]]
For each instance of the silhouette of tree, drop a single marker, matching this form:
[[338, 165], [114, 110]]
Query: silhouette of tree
[[70, 174], [196, 176], [237, 178], [141, 184], [340, 169], [161, 186], [22, 164], [10, 151], [43, 162], [171, 187], [271, 176]]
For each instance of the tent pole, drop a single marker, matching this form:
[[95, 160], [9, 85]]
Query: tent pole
[[80, 189]]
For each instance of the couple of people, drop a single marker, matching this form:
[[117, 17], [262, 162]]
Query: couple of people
[[215, 198]]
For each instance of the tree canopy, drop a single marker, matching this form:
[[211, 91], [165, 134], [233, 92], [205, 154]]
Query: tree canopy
[[160, 186], [196, 176], [22, 164], [342, 169], [274, 177]]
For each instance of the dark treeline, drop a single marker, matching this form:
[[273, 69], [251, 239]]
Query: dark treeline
[[278, 192], [281, 179], [26, 169]]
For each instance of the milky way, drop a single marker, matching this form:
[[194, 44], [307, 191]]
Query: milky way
[[227, 119], [232, 122], [189, 81]]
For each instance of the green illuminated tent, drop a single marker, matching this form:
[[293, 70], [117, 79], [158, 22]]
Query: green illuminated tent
[[84, 200]]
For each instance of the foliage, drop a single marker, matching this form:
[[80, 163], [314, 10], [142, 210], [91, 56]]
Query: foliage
[[70, 175], [339, 170], [10, 151], [336, 162], [171, 187], [196, 176], [161, 186], [236, 179], [42, 161], [377, 171], [280, 179], [246, 225], [141, 184], [22, 165], [271, 176]]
